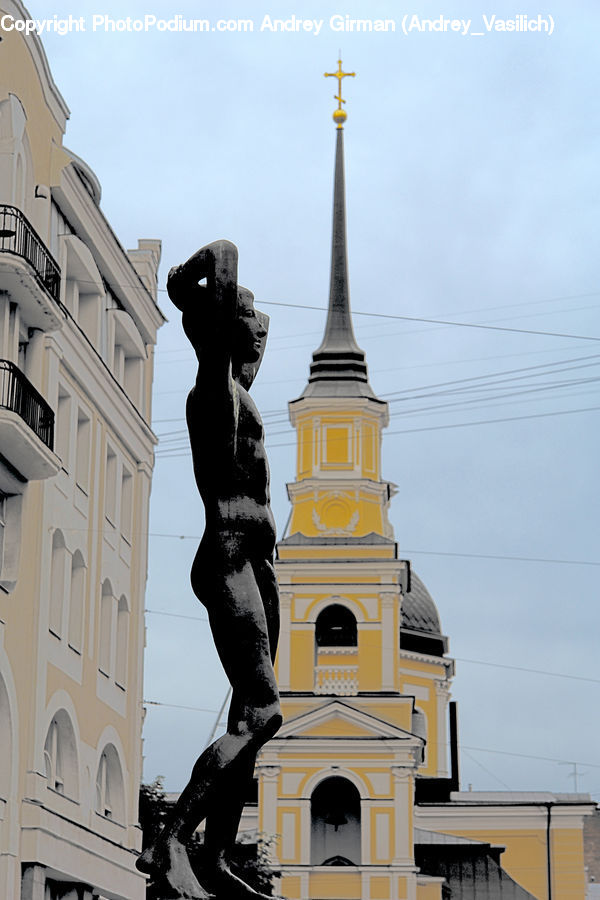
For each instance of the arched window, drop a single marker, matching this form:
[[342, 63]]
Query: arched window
[[57, 582], [60, 756], [122, 640], [110, 794], [76, 602], [20, 182], [105, 635], [336, 627], [335, 823]]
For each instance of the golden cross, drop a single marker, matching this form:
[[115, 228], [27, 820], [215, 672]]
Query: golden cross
[[339, 115]]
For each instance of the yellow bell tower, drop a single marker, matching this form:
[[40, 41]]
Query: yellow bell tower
[[356, 788]]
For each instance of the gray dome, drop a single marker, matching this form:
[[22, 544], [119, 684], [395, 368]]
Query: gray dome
[[418, 609], [420, 629]]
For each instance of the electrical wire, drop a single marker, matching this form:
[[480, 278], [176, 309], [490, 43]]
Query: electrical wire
[[560, 412], [473, 384]]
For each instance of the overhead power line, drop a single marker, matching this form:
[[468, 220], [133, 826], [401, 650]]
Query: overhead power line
[[554, 759], [481, 662], [173, 453], [376, 315], [411, 367], [178, 706], [477, 662], [533, 559], [357, 312]]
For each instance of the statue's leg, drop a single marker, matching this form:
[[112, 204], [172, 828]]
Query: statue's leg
[[223, 820], [266, 579], [223, 817], [239, 627]]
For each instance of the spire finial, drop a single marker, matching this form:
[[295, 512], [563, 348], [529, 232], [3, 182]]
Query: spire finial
[[339, 116]]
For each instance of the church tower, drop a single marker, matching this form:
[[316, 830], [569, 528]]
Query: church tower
[[361, 665]]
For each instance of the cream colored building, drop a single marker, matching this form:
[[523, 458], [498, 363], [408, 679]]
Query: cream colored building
[[78, 322]]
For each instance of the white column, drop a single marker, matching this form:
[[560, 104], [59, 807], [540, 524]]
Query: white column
[[442, 696], [365, 833], [269, 780], [403, 806], [305, 831]]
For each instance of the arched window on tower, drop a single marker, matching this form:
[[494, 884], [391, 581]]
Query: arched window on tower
[[335, 823], [336, 627]]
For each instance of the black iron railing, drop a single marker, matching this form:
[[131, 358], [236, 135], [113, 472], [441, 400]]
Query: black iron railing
[[19, 395], [18, 236]]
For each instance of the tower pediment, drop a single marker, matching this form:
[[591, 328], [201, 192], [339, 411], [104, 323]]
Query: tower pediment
[[341, 720]]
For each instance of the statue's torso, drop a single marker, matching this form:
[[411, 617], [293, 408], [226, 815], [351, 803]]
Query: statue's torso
[[235, 492]]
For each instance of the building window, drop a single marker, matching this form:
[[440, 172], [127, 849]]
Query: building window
[[336, 627], [110, 794], [335, 823], [107, 601], [57, 583], [60, 756], [122, 641], [53, 760], [62, 432], [126, 504], [110, 491], [103, 805], [76, 602], [82, 467]]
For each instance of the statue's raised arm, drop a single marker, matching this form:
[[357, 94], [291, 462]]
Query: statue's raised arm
[[209, 309]]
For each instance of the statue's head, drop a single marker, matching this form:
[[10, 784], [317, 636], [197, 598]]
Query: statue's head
[[249, 339]]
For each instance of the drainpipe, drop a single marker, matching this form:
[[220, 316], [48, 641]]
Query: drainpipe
[[548, 849], [454, 775]]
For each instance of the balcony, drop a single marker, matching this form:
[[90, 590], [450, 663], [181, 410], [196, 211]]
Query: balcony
[[339, 680], [26, 426], [28, 270]]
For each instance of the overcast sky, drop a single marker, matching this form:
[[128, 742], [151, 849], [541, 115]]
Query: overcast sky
[[472, 193]]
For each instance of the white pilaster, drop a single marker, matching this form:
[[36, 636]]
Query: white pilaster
[[389, 641], [442, 696], [269, 780], [403, 804], [285, 650]]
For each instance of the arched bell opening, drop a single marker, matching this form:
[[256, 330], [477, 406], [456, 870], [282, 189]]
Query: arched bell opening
[[336, 627], [335, 823]]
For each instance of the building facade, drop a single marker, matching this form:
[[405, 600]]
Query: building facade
[[78, 322], [359, 788]]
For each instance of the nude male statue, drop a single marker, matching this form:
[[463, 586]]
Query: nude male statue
[[232, 574]]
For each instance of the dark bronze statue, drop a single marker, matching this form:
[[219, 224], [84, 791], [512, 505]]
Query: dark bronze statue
[[232, 574]]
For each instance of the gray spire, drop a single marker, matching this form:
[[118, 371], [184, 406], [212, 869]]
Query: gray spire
[[339, 366]]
